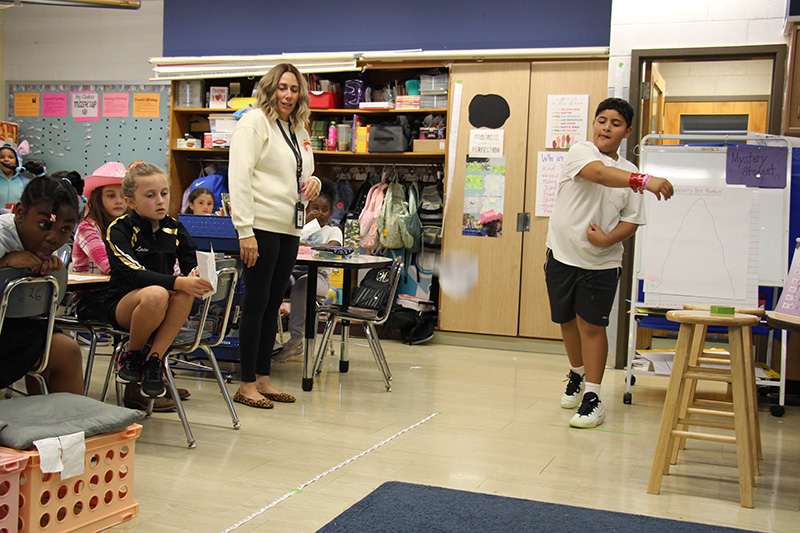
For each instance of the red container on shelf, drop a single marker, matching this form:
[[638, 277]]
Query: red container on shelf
[[325, 100]]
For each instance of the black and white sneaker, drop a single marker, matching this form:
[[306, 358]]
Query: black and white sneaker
[[590, 414], [153, 381], [130, 367], [572, 396]]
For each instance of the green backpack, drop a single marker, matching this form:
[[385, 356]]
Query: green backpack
[[394, 208], [410, 224]]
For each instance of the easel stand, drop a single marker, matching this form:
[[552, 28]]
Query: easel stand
[[702, 167]]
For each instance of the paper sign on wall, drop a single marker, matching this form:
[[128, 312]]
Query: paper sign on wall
[[486, 143], [756, 166], [26, 105], [54, 104], [548, 170], [116, 104], [85, 106], [566, 119], [146, 105]]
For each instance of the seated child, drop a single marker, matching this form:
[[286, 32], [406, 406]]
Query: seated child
[[42, 222], [201, 202], [319, 210], [145, 297], [11, 182]]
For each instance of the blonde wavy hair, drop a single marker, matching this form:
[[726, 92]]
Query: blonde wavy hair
[[267, 99], [136, 170]]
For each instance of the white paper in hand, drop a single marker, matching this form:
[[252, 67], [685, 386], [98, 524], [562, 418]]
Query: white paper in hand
[[308, 230], [207, 269]]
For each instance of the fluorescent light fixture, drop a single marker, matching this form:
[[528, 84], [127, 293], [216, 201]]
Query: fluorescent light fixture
[[111, 4]]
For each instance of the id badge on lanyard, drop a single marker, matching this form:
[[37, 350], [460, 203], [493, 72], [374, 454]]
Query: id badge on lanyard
[[299, 215]]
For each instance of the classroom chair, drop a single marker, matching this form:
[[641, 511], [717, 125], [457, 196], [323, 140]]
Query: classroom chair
[[691, 364], [26, 296], [336, 313], [227, 277]]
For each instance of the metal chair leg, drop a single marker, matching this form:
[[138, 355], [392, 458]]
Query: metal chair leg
[[170, 382], [377, 353], [320, 355], [381, 352], [221, 382]]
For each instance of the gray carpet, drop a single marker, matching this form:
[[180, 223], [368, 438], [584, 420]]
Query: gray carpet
[[400, 507]]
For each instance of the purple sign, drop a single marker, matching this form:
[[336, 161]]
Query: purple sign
[[756, 166]]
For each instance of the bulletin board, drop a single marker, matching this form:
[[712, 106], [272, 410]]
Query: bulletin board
[[124, 123]]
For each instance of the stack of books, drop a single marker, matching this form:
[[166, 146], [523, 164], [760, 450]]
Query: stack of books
[[376, 105], [407, 102]]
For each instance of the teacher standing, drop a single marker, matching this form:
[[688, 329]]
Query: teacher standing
[[270, 169]]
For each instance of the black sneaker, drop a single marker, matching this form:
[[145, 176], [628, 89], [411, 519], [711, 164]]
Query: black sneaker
[[130, 367], [572, 396], [590, 414], [153, 382]]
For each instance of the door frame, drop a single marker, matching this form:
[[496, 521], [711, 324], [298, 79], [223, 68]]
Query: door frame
[[776, 52]]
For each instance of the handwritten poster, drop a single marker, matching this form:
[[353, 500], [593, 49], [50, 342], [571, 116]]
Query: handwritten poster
[[85, 106], [26, 105], [484, 196], [486, 143], [116, 104], [146, 104], [567, 118], [54, 104], [548, 170]]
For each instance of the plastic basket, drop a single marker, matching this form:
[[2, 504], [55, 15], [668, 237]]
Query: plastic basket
[[99, 498], [11, 464]]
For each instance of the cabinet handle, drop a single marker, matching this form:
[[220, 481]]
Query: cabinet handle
[[523, 221]]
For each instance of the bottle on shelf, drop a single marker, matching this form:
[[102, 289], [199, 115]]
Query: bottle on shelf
[[332, 136]]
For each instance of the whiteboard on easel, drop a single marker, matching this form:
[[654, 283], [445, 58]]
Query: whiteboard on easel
[[712, 243]]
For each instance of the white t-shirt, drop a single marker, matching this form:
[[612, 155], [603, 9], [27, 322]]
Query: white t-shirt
[[580, 202], [9, 238], [325, 235]]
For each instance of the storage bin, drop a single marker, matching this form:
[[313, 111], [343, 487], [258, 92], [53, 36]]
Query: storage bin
[[428, 101], [222, 123], [99, 498], [437, 82], [325, 100], [11, 465]]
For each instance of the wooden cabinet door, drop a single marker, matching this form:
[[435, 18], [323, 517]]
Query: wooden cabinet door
[[561, 77], [493, 306]]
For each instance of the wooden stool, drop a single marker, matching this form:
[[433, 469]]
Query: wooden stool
[[698, 356], [687, 368]]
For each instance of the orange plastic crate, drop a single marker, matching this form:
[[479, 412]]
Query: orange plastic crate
[[11, 464], [97, 499]]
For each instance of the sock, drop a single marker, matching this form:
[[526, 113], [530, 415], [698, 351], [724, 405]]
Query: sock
[[592, 387], [578, 370]]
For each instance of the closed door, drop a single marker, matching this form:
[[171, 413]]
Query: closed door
[[493, 305], [549, 78]]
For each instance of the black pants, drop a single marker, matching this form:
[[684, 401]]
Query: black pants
[[264, 286]]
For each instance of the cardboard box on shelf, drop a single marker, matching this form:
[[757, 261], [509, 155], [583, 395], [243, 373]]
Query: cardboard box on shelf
[[217, 140], [430, 145]]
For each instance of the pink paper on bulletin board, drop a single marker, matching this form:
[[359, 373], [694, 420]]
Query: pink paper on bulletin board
[[54, 104], [116, 104]]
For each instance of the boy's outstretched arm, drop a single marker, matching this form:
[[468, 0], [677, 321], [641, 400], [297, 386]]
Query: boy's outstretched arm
[[614, 177], [618, 234]]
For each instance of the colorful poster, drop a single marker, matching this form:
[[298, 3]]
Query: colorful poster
[[548, 170], [26, 105], [484, 195], [567, 117], [85, 106], [9, 133], [54, 104], [146, 105], [116, 104], [486, 143]]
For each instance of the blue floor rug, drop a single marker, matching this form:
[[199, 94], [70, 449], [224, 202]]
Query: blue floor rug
[[400, 507]]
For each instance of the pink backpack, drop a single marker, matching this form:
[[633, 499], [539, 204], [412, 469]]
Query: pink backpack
[[368, 219]]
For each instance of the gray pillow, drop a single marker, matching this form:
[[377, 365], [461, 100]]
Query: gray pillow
[[61, 413]]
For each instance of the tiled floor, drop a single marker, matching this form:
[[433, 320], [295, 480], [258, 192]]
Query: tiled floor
[[497, 429]]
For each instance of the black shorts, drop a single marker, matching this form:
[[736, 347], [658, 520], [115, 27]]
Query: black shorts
[[577, 291]]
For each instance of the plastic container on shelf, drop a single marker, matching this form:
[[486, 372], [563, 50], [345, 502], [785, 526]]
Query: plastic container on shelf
[[99, 498], [190, 93], [325, 100], [437, 82], [11, 465]]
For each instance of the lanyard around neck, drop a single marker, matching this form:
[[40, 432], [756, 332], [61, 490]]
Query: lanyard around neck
[[295, 147]]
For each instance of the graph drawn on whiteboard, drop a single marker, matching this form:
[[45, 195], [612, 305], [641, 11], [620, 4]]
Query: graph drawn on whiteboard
[[708, 246]]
